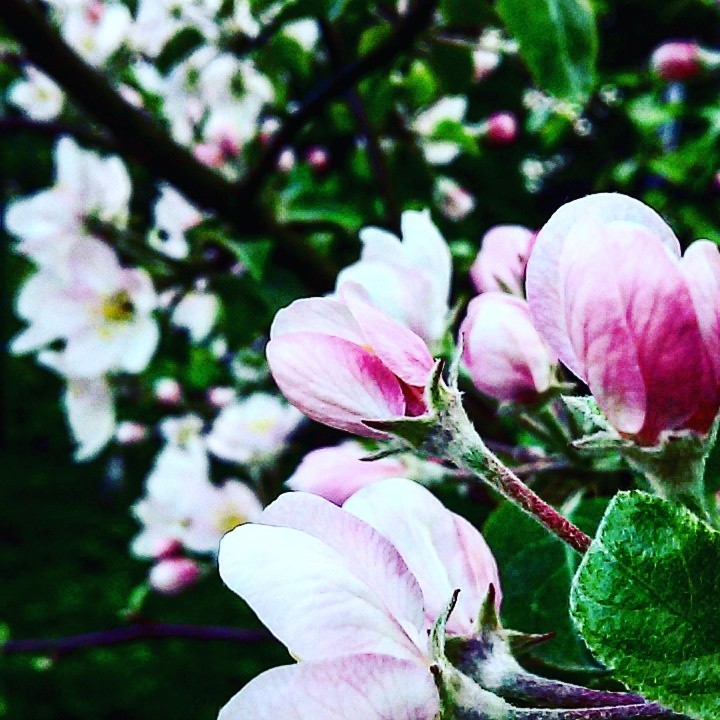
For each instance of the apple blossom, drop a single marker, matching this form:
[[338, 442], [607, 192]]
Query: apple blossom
[[408, 279], [506, 357], [448, 109], [168, 391], [129, 432], [485, 62], [252, 428], [454, 200], [611, 295], [500, 264], [220, 397], [173, 575], [196, 312], [174, 216], [37, 95], [49, 222], [335, 473], [343, 361], [343, 597], [101, 310]]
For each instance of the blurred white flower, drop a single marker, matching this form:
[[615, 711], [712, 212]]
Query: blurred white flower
[[219, 397], [253, 428], [101, 310], [37, 95], [304, 32], [196, 313], [448, 109], [91, 415], [49, 222], [129, 432], [174, 216], [95, 29], [408, 279], [184, 432]]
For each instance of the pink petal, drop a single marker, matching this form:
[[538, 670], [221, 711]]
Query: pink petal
[[335, 473], [399, 348], [544, 278], [633, 325], [326, 316], [363, 687], [311, 597], [334, 381], [442, 551], [500, 264]]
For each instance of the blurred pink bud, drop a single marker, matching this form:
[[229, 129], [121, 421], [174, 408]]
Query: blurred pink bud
[[219, 397], [677, 60], [336, 473], [343, 361], [168, 391], [318, 158], [501, 128], [503, 351], [209, 154], [166, 549], [286, 160], [454, 200], [500, 264], [640, 325], [268, 128], [173, 575], [128, 432]]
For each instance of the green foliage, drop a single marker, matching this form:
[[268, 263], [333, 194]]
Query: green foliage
[[558, 39], [645, 601], [536, 569]]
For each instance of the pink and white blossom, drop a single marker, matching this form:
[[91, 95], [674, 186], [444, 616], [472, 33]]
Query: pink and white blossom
[[426, 124], [343, 361], [174, 216], [101, 311], [173, 575], [337, 472], [611, 294], [503, 352], [252, 429], [196, 312], [345, 599], [500, 264], [168, 391], [409, 278], [455, 202], [677, 60]]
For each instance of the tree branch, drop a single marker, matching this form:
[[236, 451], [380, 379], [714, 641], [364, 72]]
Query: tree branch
[[128, 634], [412, 24], [54, 129]]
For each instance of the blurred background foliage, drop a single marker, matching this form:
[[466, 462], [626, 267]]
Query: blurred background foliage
[[65, 528]]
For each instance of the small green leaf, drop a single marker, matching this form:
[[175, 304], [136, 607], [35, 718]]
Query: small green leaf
[[646, 602], [535, 573], [558, 40]]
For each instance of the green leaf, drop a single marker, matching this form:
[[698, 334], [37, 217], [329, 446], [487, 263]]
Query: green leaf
[[536, 569], [558, 40], [646, 601]]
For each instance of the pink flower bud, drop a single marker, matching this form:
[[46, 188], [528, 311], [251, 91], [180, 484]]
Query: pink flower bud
[[677, 60], [168, 391], [501, 128], [503, 351], [209, 154], [286, 160], [336, 473], [342, 362], [484, 63], [500, 264], [318, 158], [268, 128], [129, 433], [610, 293], [166, 549], [173, 575]]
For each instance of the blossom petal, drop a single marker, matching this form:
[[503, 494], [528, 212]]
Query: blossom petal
[[442, 551], [366, 687], [325, 316], [543, 269], [309, 595], [371, 557], [334, 381]]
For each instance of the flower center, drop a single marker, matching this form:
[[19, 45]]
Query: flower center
[[229, 521], [118, 307]]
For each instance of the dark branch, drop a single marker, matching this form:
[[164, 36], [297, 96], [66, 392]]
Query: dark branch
[[131, 633], [53, 129], [411, 25]]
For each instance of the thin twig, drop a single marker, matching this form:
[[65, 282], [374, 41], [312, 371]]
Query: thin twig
[[131, 633]]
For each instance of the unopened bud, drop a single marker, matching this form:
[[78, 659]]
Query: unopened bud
[[318, 158], [168, 391], [286, 161], [174, 575], [677, 60], [484, 63], [209, 154], [129, 433], [501, 128], [221, 396]]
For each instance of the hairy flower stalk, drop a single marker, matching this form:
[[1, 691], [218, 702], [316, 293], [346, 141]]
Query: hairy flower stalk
[[446, 432]]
